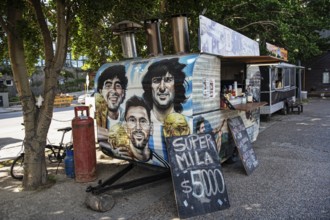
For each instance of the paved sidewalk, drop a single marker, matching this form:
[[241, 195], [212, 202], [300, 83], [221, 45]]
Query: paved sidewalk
[[19, 107], [11, 109]]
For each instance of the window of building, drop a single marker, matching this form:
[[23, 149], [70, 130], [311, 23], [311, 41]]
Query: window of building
[[9, 83], [325, 78]]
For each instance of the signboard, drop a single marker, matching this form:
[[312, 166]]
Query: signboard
[[196, 174], [278, 52], [243, 144], [220, 40]]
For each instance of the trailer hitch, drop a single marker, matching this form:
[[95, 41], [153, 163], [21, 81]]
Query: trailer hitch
[[109, 183]]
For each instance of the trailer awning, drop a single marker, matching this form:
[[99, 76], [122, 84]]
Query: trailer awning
[[252, 59]]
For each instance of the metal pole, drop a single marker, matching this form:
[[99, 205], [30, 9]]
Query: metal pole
[[299, 81]]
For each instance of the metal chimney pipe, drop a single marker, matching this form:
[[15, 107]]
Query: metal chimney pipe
[[126, 30], [128, 45], [180, 34], [154, 41]]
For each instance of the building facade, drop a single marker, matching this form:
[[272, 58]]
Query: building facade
[[317, 75]]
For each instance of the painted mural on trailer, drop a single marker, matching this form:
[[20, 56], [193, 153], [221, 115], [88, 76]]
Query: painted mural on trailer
[[139, 103]]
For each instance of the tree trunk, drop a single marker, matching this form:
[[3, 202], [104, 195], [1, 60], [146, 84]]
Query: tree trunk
[[36, 120], [36, 130], [35, 174]]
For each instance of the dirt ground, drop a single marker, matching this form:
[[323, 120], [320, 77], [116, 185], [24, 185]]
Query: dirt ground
[[66, 198], [292, 181]]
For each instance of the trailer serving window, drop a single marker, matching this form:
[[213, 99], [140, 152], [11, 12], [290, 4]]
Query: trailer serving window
[[231, 72], [293, 77], [278, 78], [286, 77]]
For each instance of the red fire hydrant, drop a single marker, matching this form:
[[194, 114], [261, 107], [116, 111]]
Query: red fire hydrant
[[84, 145]]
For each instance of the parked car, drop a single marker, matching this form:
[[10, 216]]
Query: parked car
[[81, 98]]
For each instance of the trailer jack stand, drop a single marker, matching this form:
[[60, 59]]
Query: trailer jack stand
[[108, 184]]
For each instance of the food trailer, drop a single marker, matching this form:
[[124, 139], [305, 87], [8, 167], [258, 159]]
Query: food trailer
[[160, 111], [182, 93], [280, 86]]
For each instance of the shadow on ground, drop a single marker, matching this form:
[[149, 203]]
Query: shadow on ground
[[7, 141]]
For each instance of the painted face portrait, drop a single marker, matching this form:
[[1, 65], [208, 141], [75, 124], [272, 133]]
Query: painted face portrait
[[164, 87], [175, 125], [138, 126], [113, 93], [163, 90], [201, 129]]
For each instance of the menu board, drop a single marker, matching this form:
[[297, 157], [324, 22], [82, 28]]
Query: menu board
[[196, 174], [243, 144]]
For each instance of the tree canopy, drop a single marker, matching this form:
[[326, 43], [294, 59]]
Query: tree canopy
[[290, 24]]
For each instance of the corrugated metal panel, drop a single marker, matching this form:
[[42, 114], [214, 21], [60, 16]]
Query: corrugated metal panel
[[206, 84]]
